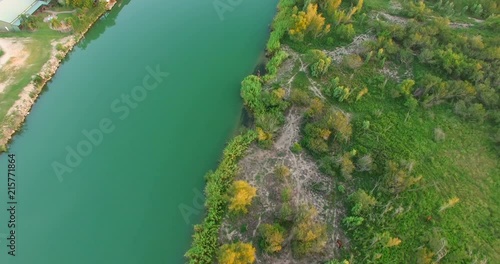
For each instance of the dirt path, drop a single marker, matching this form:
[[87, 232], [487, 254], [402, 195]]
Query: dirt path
[[61, 12], [355, 47]]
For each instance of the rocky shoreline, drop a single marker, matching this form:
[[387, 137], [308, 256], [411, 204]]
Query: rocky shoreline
[[21, 108]]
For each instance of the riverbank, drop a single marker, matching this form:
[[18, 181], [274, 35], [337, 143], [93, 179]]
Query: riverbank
[[17, 56], [357, 148]]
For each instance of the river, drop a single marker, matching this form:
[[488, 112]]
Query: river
[[111, 160]]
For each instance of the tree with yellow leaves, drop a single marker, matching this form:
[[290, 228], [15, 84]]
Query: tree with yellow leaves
[[309, 233], [354, 10], [340, 16], [340, 122], [273, 237], [242, 195], [308, 22], [237, 253], [346, 165], [262, 135]]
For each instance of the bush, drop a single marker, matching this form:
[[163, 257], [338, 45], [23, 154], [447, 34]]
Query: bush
[[309, 234], [283, 172], [273, 64], [296, 148], [364, 163], [473, 112], [353, 61], [251, 91], [272, 237], [353, 221], [242, 194], [345, 32], [299, 97], [281, 23], [320, 62], [205, 237], [37, 80], [60, 47], [286, 213], [346, 165], [363, 200], [237, 253]]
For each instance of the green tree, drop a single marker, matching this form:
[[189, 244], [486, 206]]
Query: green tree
[[251, 92], [363, 200], [319, 62], [29, 22]]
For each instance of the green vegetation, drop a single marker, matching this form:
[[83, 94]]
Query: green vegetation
[[273, 237], [404, 141], [407, 125], [78, 3], [205, 246]]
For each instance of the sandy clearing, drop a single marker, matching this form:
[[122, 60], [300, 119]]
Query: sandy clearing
[[15, 52], [14, 58]]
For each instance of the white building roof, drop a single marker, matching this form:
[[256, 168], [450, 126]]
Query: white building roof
[[11, 9]]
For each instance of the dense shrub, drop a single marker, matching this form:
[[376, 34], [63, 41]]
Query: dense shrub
[[204, 246]]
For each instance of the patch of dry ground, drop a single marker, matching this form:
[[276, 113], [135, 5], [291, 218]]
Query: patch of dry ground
[[356, 47], [13, 59], [258, 167]]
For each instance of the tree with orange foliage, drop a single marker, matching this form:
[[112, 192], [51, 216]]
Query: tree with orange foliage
[[242, 195], [237, 253]]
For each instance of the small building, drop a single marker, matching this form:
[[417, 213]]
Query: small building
[[12, 10]]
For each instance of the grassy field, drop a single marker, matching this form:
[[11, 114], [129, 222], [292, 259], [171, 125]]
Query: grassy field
[[464, 165], [431, 190]]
